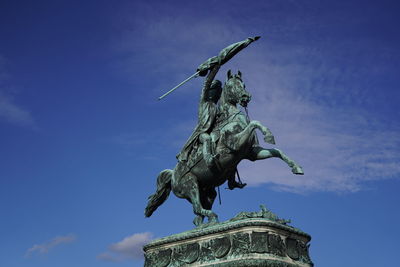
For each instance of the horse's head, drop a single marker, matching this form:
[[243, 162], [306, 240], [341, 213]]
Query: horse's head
[[235, 90]]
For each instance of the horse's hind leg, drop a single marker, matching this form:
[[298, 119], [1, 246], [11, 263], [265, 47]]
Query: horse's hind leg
[[189, 189], [207, 198], [262, 153]]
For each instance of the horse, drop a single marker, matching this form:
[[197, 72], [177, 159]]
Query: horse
[[235, 139]]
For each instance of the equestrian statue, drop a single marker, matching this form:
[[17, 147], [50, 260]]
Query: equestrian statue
[[223, 137]]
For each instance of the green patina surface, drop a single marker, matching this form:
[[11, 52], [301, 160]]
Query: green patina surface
[[249, 239], [253, 263], [223, 137], [240, 220]]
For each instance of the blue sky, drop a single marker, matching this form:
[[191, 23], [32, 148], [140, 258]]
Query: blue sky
[[83, 137]]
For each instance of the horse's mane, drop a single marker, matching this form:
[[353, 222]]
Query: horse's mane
[[228, 91]]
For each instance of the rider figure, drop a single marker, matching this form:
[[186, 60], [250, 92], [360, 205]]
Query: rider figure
[[208, 110], [210, 95]]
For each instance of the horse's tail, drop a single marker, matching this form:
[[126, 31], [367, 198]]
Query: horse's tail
[[162, 193]]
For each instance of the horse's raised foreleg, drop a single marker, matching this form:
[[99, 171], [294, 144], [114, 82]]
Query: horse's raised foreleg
[[259, 153], [268, 136], [244, 135], [189, 189], [235, 140]]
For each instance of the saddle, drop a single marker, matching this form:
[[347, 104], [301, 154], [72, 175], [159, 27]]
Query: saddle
[[196, 154]]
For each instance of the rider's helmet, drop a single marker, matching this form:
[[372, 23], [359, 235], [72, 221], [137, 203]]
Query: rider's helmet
[[214, 93]]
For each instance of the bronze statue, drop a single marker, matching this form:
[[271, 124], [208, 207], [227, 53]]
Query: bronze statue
[[223, 137]]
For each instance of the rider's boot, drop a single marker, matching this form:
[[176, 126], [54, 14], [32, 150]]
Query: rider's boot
[[232, 184]]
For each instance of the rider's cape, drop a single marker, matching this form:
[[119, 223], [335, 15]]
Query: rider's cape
[[206, 118], [207, 115]]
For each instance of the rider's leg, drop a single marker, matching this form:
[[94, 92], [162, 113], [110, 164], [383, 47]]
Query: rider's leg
[[209, 158]]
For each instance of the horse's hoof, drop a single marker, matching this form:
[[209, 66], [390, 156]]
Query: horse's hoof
[[198, 220], [298, 170], [213, 219]]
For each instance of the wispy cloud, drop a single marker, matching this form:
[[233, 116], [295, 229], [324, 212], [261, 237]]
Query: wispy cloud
[[13, 113], [10, 111], [44, 248], [318, 100], [340, 144], [170, 40], [129, 248]]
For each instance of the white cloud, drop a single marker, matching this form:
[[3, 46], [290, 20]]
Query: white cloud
[[44, 248], [131, 247]]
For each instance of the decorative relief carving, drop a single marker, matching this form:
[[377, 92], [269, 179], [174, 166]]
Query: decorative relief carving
[[220, 246], [303, 251], [292, 248], [239, 247], [259, 242], [158, 259], [240, 243], [206, 254], [186, 253], [276, 245]]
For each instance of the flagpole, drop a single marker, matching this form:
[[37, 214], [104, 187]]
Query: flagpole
[[176, 87], [226, 54]]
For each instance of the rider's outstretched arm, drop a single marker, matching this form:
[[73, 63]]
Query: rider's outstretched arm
[[207, 83]]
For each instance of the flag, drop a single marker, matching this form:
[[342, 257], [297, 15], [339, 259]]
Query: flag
[[226, 54]]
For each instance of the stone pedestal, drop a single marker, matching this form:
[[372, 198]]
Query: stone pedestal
[[242, 241]]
